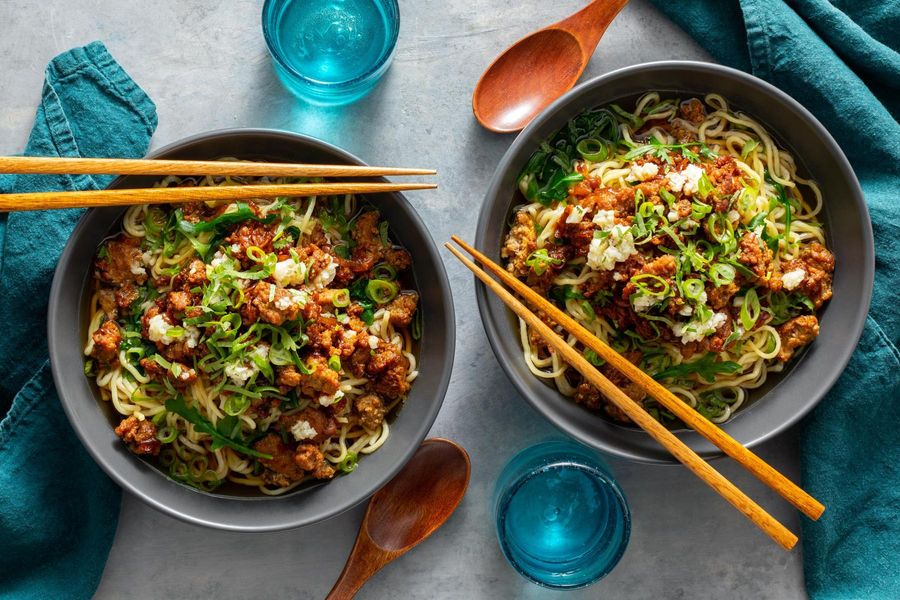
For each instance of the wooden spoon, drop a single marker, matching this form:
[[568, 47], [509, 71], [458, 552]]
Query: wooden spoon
[[412, 506], [540, 68]]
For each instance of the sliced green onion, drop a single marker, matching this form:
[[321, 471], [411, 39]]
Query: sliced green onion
[[235, 405], [720, 228], [699, 210], [348, 465], [692, 289], [592, 150], [722, 274], [167, 435], [667, 196], [588, 310], [749, 147], [341, 298], [750, 309], [384, 271], [334, 363], [704, 186], [539, 261], [381, 291], [256, 254], [593, 358], [89, 368], [651, 285]]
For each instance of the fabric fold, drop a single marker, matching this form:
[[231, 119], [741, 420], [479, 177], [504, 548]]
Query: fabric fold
[[58, 510]]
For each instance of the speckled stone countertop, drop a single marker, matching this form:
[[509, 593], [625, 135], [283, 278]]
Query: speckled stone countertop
[[205, 65]]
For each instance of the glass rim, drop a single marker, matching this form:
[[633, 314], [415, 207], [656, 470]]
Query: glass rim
[[610, 484], [382, 59]]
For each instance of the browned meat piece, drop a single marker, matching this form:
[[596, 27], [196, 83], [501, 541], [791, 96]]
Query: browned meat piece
[[370, 410], [190, 276], [263, 407], [251, 233], [402, 309], [383, 357], [180, 374], [716, 341], [692, 110], [392, 382], [592, 399], [123, 262], [310, 459], [107, 300], [818, 263], [757, 257], [520, 243], [322, 381], [270, 303], [720, 297], [368, 249], [795, 334], [663, 267], [398, 258], [315, 258], [288, 376], [281, 470], [106, 342], [176, 302], [125, 295], [631, 389], [725, 176], [139, 435], [320, 420]]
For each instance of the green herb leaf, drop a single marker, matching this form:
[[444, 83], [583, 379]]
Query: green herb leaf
[[706, 368], [178, 406]]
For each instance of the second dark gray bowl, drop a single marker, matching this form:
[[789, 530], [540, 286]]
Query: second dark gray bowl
[[784, 399], [91, 418]]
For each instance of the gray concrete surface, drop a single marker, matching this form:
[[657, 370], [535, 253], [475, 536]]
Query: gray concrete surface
[[205, 65]]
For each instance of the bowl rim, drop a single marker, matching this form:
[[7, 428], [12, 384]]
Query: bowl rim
[[494, 193], [207, 515]]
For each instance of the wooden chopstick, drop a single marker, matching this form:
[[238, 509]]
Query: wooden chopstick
[[127, 166], [127, 197], [750, 461], [762, 519]]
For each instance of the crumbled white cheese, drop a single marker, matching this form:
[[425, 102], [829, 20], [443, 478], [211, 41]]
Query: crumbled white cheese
[[688, 224], [137, 269], [642, 303], [686, 310], [694, 331], [158, 330], [734, 216], [604, 253], [218, 259], [284, 302], [604, 218], [235, 248], [302, 430], [329, 400], [703, 297], [326, 276], [191, 336], [147, 258], [299, 296], [239, 373], [289, 272], [672, 216], [793, 278], [685, 181], [262, 351], [373, 342], [643, 172], [576, 215], [348, 335]]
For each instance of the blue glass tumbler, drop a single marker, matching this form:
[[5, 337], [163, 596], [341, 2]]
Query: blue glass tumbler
[[562, 519], [331, 52]]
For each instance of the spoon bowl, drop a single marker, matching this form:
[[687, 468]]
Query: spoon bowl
[[412, 506], [540, 68]]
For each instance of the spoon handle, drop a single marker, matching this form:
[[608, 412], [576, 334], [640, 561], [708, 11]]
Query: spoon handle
[[364, 561], [589, 24]]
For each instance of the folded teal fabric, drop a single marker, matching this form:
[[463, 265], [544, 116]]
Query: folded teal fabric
[[58, 511], [840, 59]]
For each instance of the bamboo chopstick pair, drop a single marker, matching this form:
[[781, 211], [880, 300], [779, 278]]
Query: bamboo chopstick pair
[[762, 470], [124, 197]]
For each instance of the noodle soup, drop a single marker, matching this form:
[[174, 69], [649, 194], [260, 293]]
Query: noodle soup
[[678, 232], [264, 343]]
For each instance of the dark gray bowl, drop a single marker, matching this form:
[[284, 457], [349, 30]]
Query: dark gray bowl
[[92, 419], [784, 399]]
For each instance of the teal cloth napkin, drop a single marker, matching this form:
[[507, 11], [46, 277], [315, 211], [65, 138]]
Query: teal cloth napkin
[[840, 59], [58, 511]]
